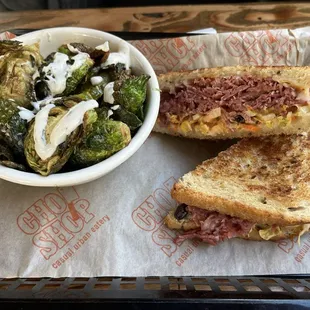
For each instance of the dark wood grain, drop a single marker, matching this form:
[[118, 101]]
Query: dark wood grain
[[236, 17]]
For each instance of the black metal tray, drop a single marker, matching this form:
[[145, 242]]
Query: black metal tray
[[209, 293], [276, 292]]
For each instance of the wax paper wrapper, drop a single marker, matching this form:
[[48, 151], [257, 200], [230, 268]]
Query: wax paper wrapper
[[119, 230]]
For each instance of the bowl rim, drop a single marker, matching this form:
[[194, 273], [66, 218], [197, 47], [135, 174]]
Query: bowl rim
[[91, 173]]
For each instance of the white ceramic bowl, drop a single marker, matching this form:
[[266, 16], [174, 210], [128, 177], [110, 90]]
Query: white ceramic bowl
[[50, 39]]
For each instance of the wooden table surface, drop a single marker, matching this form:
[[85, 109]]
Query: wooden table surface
[[223, 17]]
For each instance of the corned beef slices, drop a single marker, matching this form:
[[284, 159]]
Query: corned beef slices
[[232, 94], [214, 227]]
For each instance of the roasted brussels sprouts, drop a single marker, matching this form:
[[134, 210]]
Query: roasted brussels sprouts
[[12, 127], [63, 151], [74, 48], [5, 153], [130, 119], [17, 67], [118, 72], [7, 158], [73, 109], [131, 92], [93, 87], [102, 139], [9, 46], [64, 73]]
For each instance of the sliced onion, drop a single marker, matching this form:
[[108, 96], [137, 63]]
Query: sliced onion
[[268, 117], [250, 113], [213, 114]]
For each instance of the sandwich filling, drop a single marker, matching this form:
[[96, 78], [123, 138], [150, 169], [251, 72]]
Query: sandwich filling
[[212, 227], [234, 100]]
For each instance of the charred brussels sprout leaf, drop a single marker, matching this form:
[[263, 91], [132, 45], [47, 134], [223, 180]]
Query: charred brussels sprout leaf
[[130, 119], [103, 139], [81, 47], [7, 158], [13, 165], [88, 91], [77, 76], [12, 127], [118, 72], [131, 92], [17, 67], [99, 56], [7, 46], [63, 152], [64, 49], [5, 153]]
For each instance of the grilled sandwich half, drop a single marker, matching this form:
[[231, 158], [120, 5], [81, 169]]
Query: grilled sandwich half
[[258, 189], [234, 102]]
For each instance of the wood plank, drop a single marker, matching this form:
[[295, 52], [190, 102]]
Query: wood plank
[[230, 17]]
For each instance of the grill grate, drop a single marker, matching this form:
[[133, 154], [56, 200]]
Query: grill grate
[[157, 287]]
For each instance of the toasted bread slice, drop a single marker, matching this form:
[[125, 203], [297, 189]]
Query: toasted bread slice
[[297, 77], [262, 180], [218, 122]]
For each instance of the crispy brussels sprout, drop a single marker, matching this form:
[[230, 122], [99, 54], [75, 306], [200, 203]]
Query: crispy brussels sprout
[[5, 153], [118, 72], [12, 127], [91, 89], [9, 46], [75, 48], [7, 158], [55, 162], [17, 67], [61, 75], [131, 92], [77, 76], [103, 138], [130, 119]]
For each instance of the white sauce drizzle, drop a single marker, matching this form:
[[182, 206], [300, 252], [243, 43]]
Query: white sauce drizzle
[[108, 93], [67, 124], [58, 71], [25, 114], [115, 107], [122, 56], [72, 49], [96, 80], [41, 147], [41, 103], [110, 113], [103, 47]]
